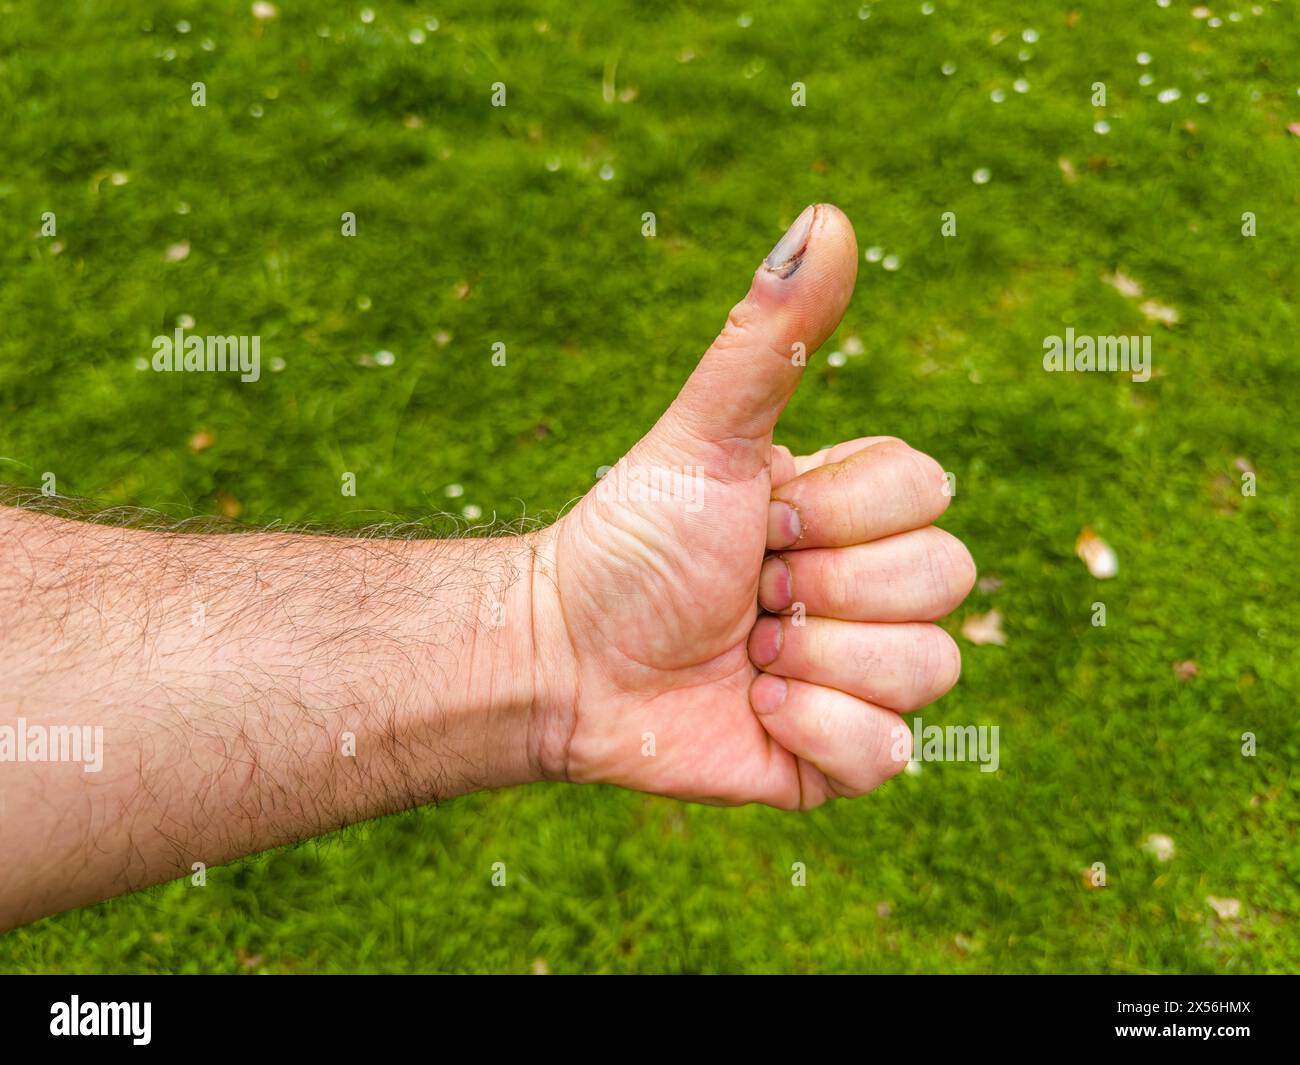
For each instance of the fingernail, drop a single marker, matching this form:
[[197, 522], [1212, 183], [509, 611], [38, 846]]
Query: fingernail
[[765, 641], [783, 526], [775, 585], [785, 258], [767, 693]]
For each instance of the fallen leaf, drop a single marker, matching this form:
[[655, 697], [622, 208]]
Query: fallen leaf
[[1158, 846], [1097, 555], [248, 961], [1227, 909], [984, 628], [202, 440], [229, 506]]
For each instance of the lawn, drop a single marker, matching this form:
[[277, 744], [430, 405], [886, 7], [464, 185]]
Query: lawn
[[522, 225]]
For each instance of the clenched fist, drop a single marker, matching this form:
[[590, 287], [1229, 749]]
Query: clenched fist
[[730, 623]]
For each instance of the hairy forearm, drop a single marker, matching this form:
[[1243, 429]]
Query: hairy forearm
[[252, 689]]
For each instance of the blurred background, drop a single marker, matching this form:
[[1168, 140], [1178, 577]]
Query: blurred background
[[524, 225]]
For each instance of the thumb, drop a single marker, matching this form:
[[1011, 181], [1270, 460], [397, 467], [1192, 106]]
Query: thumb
[[795, 302]]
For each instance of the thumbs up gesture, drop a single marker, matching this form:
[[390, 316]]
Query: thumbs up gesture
[[728, 622]]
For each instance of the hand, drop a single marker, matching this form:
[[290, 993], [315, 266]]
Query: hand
[[678, 684]]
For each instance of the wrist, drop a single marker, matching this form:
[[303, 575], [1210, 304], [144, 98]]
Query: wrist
[[495, 681]]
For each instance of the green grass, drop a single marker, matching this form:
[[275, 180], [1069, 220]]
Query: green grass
[[948, 870]]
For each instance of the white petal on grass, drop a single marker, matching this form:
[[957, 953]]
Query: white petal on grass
[[1159, 846], [1029, 36], [836, 358], [472, 511], [1101, 126], [982, 176], [1123, 284], [874, 254], [1143, 58], [890, 262], [1097, 555], [1159, 312], [264, 11], [385, 358], [998, 95], [1168, 96], [1020, 85], [454, 491]]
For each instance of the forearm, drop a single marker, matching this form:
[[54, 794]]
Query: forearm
[[252, 690]]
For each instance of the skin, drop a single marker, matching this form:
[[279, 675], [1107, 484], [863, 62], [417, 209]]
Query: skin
[[261, 688]]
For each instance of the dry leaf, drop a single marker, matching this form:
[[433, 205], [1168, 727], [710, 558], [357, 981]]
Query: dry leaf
[[229, 506], [202, 440], [1097, 555], [984, 628], [1227, 909]]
